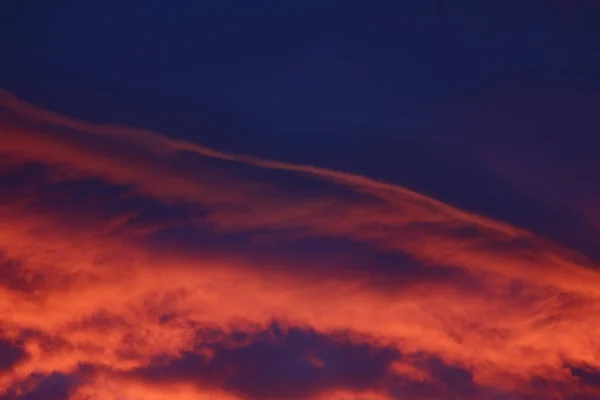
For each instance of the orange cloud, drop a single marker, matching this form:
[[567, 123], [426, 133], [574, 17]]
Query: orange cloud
[[102, 279]]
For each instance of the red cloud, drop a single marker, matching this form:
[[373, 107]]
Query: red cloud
[[86, 281]]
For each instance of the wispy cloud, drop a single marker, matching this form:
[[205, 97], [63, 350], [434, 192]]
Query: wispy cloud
[[161, 266]]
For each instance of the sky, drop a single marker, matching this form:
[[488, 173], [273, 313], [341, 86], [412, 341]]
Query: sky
[[316, 200]]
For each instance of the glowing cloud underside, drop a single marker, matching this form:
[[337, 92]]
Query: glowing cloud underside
[[137, 266]]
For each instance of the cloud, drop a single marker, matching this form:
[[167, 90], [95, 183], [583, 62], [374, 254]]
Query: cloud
[[277, 364], [10, 354], [587, 375], [55, 386], [285, 362], [153, 163], [122, 249]]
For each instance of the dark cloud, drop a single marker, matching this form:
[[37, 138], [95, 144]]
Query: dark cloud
[[299, 363], [11, 353], [15, 276], [455, 378], [279, 364], [54, 386], [587, 375]]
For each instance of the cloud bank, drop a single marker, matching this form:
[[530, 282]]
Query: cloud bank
[[138, 266]]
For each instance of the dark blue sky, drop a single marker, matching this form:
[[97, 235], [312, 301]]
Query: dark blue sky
[[423, 94], [331, 67]]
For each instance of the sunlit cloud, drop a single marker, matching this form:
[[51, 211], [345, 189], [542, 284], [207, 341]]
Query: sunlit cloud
[[138, 266]]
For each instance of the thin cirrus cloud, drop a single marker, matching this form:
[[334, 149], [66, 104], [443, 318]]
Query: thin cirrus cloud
[[138, 266]]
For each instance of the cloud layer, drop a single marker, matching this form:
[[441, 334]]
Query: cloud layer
[[138, 266]]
